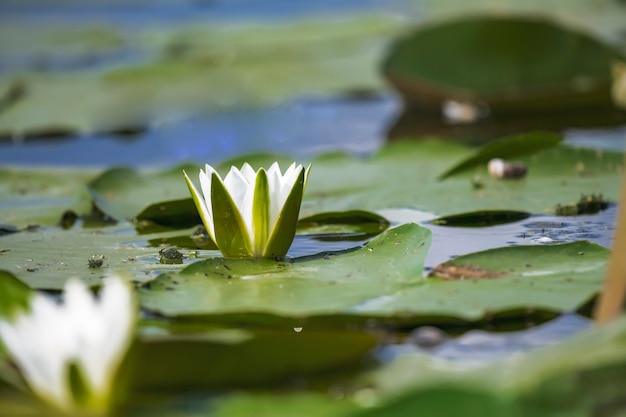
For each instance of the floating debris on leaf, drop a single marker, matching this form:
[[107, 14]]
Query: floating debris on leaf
[[427, 337], [499, 168], [587, 204], [68, 219], [95, 261], [477, 182], [544, 240], [460, 272], [170, 256]]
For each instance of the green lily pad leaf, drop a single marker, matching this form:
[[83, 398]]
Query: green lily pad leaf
[[191, 361], [575, 70], [295, 289], [41, 196], [342, 183], [575, 377], [506, 148], [384, 280], [283, 405], [14, 294], [404, 175], [356, 224], [178, 214], [481, 218], [192, 240], [46, 258], [551, 278], [122, 193]]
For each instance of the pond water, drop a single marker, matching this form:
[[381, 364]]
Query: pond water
[[306, 127]]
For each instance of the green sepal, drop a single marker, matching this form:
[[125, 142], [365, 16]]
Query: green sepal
[[231, 235], [199, 201], [79, 388], [261, 213], [284, 230]]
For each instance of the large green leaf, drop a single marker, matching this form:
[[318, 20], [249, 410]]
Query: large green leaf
[[327, 285], [193, 360], [384, 280], [353, 224], [404, 175], [40, 196], [46, 258], [122, 193], [510, 62]]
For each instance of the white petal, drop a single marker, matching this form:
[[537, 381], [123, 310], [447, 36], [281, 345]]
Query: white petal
[[286, 184], [40, 345], [237, 186], [207, 208], [248, 173], [103, 351], [242, 193]]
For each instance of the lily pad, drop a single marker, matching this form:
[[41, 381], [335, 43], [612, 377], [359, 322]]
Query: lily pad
[[353, 224], [506, 148], [481, 218], [296, 289], [40, 196], [46, 258], [189, 361], [494, 59], [123, 192], [180, 213], [296, 404], [384, 280]]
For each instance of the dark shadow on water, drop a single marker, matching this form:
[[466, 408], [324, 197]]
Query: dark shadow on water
[[413, 122]]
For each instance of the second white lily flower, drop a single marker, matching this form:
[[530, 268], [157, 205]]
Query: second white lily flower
[[251, 213], [84, 333]]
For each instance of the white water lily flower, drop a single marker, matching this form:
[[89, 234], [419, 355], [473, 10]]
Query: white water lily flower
[[251, 214], [83, 333]]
